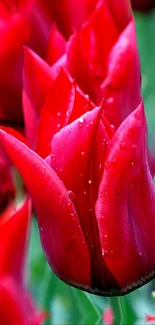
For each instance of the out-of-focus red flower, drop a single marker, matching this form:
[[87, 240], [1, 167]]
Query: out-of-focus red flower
[[143, 5], [108, 316], [77, 192], [150, 318], [14, 30], [16, 304]]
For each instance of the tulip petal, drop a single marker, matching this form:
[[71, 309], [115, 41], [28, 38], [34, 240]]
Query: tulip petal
[[121, 88], [37, 78], [78, 152], [70, 15], [88, 50], [56, 45], [61, 235], [55, 112], [16, 305], [125, 206], [121, 12], [14, 33], [14, 229]]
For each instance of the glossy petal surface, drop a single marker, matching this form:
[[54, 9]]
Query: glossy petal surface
[[63, 242]]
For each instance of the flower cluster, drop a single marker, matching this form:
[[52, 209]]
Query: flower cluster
[[73, 124]]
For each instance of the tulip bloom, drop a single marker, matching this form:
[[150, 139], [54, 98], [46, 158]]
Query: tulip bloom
[[106, 67], [107, 64], [87, 180], [16, 304]]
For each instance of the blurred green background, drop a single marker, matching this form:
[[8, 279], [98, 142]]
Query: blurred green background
[[67, 305]]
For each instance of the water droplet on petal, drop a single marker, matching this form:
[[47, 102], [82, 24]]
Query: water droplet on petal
[[85, 192], [110, 100], [123, 145], [105, 236], [112, 127], [73, 215], [100, 167], [83, 153], [58, 113], [67, 113], [81, 120], [70, 208], [89, 181], [132, 163], [53, 156], [71, 195], [41, 229]]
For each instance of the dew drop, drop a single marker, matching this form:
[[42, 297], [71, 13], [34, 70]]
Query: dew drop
[[110, 100], [112, 127], [132, 163], [67, 113], [85, 192], [71, 194], [82, 153], [41, 229], [89, 181], [81, 120], [105, 236], [69, 206], [53, 156], [58, 127], [73, 215], [58, 113], [100, 167], [123, 145], [91, 123]]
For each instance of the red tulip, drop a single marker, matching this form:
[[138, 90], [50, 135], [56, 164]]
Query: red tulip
[[45, 111], [76, 195], [16, 305], [107, 64]]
